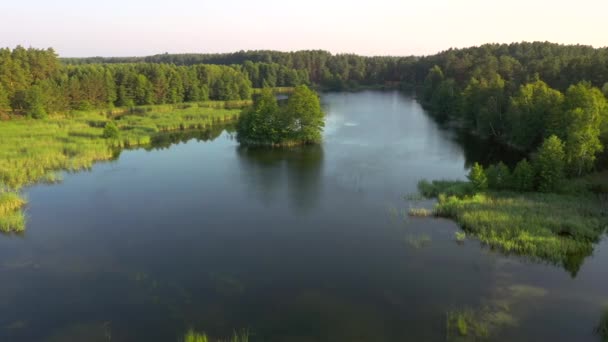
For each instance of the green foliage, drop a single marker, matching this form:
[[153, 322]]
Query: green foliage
[[110, 131], [478, 177], [499, 176], [535, 112], [5, 105], [485, 102], [305, 116], [605, 89], [34, 103], [549, 163], [523, 176], [586, 109], [299, 122]]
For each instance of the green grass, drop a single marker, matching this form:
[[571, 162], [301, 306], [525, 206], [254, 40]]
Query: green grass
[[12, 218], [560, 228], [10, 202], [33, 151], [12, 222]]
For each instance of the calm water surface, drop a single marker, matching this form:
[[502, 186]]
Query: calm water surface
[[307, 244]]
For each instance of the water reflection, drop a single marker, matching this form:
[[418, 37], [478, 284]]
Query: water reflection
[[296, 169]]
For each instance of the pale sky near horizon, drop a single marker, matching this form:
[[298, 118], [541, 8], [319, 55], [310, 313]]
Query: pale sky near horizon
[[381, 27]]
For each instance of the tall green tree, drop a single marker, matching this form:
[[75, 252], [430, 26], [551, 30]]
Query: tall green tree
[[535, 113], [5, 105], [485, 104], [305, 115], [260, 123], [34, 101], [586, 108], [550, 164]]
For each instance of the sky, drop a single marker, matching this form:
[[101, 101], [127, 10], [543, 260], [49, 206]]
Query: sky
[[379, 27]]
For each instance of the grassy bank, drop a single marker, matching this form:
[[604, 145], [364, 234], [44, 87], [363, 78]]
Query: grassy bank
[[12, 218], [32, 151], [559, 228]]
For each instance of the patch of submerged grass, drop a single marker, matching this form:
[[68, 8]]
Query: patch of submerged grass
[[465, 323], [460, 236], [602, 328], [559, 228], [417, 241], [420, 212]]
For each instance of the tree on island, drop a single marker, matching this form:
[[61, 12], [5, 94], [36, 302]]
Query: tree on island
[[300, 121]]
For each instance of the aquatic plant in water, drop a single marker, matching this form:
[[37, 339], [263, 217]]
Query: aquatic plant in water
[[420, 212], [417, 241], [460, 236], [495, 313], [193, 336], [602, 328]]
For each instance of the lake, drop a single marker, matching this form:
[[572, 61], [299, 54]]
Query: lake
[[304, 244]]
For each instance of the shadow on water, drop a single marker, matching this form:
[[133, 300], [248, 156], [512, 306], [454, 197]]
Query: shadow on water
[[298, 169]]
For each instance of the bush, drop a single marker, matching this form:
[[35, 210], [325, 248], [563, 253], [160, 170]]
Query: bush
[[110, 131], [478, 177]]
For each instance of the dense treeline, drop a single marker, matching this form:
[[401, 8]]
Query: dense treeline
[[33, 82], [521, 94], [558, 65], [320, 68]]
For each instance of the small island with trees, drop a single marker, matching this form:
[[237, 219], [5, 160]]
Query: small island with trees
[[299, 122]]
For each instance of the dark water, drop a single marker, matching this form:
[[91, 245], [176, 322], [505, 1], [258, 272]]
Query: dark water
[[307, 244]]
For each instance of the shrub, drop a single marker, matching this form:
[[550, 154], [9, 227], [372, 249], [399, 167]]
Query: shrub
[[110, 131], [478, 177]]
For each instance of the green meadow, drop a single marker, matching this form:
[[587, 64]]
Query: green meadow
[[33, 151]]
